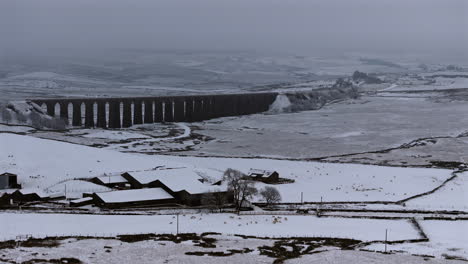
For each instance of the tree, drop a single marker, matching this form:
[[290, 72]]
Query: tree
[[6, 116], [215, 200], [270, 195], [241, 188]]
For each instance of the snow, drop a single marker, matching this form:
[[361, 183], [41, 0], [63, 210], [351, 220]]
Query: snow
[[281, 102], [75, 188], [349, 256], [265, 226], [15, 129], [85, 199], [452, 196], [112, 179], [39, 192], [332, 181], [37, 75], [42, 163], [185, 134], [176, 179], [349, 134], [441, 83], [134, 195], [445, 238], [116, 135]]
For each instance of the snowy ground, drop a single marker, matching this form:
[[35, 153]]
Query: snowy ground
[[398, 131], [447, 238], [356, 126], [453, 196], [345, 257], [109, 250], [445, 244], [262, 226], [333, 182], [394, 123], [48, 163]]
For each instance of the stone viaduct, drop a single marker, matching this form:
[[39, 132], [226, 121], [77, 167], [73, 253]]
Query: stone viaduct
[[125, 112]]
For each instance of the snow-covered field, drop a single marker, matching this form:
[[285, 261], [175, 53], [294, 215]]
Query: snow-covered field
[[440, 83], [452, 196], [333, 182], [446, 238], [14, 224], [101, 251], [371, 123], [42, 163], [346, 257]]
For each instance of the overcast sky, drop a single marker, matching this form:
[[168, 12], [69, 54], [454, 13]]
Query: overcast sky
[[300, 26]]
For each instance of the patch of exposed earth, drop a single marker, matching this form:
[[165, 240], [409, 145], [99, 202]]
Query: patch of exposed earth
[[204, 248]]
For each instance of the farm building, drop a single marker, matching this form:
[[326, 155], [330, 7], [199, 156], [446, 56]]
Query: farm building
[[28, 195], [184, 184], [133, 198], [263, 176], [4, 199], [82, 201], [9, 181], [31, 195], [116, 181]]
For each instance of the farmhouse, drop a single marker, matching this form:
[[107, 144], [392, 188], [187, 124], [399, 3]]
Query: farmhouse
[[183, 184], [9, 181], [133, 198], [263, 176]]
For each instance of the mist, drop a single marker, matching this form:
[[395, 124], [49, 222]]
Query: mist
[[297, 26]]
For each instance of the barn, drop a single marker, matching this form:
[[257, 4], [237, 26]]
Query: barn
[[265, 176], [133, 198], [4, 199], [9, 181], [184, 184], [28, 195]]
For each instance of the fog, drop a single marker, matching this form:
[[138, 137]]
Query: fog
[[295, 26]]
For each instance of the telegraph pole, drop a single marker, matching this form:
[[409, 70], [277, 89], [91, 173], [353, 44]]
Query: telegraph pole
[[386, 235], [177, 233]]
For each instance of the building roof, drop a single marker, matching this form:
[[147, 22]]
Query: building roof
[[37, 191], [84, 199], [6, 174], [112, 179], [175, 179], [263, 173], [136, 195]]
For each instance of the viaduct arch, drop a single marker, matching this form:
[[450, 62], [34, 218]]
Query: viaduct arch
[[125, 112]]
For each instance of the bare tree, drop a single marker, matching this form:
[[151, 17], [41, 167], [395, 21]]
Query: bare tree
[[215, 200], [270, 195], [241, 188], [6, 116]]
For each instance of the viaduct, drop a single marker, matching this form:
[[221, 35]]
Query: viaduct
[[125, 112]]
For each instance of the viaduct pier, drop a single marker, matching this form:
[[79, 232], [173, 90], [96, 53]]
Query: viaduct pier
[[125, 112]]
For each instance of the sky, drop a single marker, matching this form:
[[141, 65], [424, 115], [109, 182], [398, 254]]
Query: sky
[[295, 26]]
